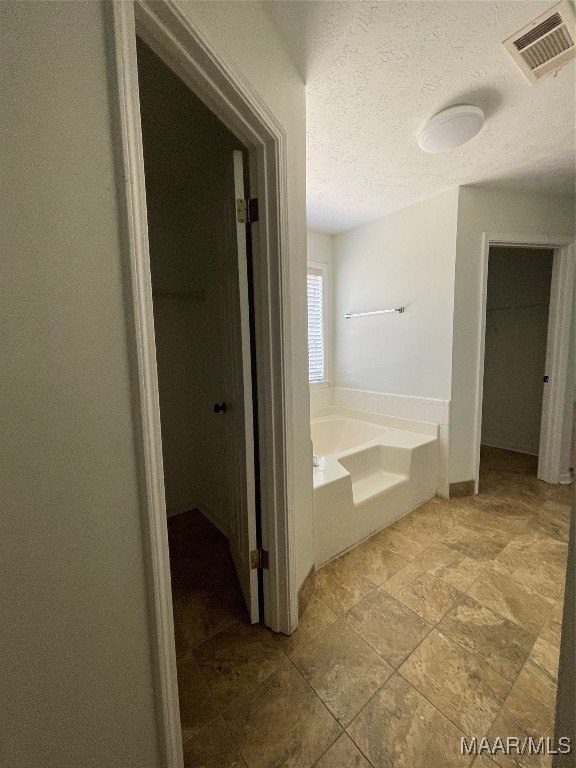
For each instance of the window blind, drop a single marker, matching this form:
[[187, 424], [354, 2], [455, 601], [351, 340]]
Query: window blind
[[315, 326]]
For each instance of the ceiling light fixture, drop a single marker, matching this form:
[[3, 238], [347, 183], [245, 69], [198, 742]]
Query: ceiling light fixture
[[451, 128]]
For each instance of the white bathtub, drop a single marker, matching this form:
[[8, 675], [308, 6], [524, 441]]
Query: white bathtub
[[332, 434], [371, 470]]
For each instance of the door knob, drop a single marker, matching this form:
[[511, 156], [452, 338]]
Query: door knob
[[219, 407]]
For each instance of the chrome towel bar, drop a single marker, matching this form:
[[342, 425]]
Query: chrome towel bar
[[348, 315]]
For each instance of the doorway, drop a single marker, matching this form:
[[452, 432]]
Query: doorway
[[555, 425], [220, 85], [202, 309], [517, 320]]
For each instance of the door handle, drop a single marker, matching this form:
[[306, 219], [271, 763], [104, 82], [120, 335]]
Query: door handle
[[219, 407]]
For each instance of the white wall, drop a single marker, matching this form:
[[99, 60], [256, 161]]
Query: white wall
[[320, 247], [403, 259], [77, 682], [517, 306], [487, 210], [189, 180]]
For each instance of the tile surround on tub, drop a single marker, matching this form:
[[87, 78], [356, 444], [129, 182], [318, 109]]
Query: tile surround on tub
[[429, 409], [371, 404], [389, 404], [321, 398]]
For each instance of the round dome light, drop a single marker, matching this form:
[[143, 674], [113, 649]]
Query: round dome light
[[451, 128]]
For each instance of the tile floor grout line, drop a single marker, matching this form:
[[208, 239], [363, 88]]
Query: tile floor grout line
[[482, 572], [218, 706], [478, 653], [358, 747], [213, 634], [417, 691], [435, 627], [488, 567], [481, 657], [512, 685], [503, 705], [314, 637], [540, 668], [320, 630], [517, 583], [363, 640], [357, 715], [431, 627], [344, 733], [322, 702], [420, 693]]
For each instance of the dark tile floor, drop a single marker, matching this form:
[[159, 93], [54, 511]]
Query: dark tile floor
[[446, 624]]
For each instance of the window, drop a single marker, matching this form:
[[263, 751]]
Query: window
[[316, 324]]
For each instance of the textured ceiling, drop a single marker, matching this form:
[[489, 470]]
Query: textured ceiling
[[376, 71]]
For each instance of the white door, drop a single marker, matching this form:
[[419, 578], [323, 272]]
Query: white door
[[238, 471], [559, 387]]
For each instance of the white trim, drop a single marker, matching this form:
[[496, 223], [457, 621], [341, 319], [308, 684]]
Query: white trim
[[180, 509], [184, 46], [243, 521], [516, 449], [228, 93], [553, 421], [216, 521], [203, 509], [528, 241], [158, 565], [561, 309]]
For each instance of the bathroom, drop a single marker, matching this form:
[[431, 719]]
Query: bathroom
[[176, 590], [388, 562], [380, 400]]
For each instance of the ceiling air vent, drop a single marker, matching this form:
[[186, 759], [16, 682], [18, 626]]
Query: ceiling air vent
[[546, 44]]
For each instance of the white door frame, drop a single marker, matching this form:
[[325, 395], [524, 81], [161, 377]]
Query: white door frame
[[561, 300], [185, 48]]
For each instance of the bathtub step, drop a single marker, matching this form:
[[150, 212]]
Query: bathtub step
[[367, 485]]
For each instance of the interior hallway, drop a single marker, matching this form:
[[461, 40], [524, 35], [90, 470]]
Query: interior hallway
[[446, 624]]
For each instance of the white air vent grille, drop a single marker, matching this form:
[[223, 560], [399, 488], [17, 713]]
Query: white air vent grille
[[546, 45]]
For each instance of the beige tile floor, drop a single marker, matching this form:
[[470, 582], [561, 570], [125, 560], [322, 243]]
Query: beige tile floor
[[446, 624]]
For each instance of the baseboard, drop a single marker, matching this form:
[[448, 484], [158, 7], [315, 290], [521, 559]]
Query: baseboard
[[306, 591], [526, 451], [204, 509], [213, 518], [180, 509], [464, 488]]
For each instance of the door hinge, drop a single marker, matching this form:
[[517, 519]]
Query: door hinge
[[247, 210], [259, 558]]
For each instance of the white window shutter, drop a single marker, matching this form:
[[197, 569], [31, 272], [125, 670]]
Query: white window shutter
[[315, 326]]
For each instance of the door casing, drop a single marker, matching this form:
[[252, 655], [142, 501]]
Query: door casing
[[561, 307], [230, 96]]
